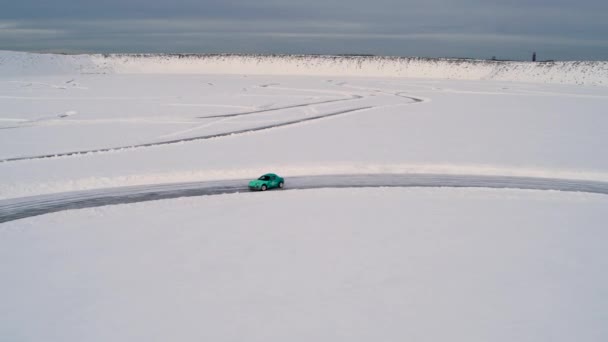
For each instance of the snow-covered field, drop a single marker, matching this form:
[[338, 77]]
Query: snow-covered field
[[331, 264], [323, 265]]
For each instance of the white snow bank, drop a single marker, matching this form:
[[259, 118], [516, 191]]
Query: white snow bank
[[555, 72], [588, 73]]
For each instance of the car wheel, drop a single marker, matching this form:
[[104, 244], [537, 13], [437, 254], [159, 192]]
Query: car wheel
[[281, 185], [264, 187]]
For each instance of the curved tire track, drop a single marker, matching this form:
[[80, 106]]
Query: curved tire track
[[175, 141], [354, 97], [413, 100], [15, 209]]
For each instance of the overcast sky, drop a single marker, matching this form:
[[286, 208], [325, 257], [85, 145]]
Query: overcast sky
[[556, 29]]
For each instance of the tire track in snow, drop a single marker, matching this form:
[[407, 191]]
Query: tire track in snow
[[381, 91], [219, 135], [19, 208], [354, 97], [202, 137], [225, 117]]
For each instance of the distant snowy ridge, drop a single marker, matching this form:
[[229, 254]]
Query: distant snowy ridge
[[584, 73], [24, 63]]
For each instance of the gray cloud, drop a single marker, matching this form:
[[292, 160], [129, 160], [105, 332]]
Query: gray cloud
[[557, 29]]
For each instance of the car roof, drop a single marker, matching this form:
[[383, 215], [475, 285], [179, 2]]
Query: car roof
[[269, 174]]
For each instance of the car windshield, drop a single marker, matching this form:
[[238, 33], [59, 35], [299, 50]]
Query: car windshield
[[264, 178]]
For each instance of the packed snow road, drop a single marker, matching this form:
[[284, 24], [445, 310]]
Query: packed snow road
[[19, 208]]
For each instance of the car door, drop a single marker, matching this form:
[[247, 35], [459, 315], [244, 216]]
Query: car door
[[273, 182]]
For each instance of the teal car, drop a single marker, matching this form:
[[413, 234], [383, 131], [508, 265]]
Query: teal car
[[267, 181]]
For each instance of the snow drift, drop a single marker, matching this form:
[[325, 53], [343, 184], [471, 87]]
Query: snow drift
[[577, 72]]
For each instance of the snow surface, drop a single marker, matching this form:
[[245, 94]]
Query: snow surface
[[323, 265], [330, 265], [470, 127]]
